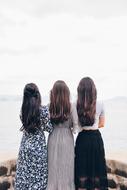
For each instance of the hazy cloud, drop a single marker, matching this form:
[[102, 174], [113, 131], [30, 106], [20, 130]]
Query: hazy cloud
[[46, 40], [87, 39], [4, 20], [98, 8], [27, 51]]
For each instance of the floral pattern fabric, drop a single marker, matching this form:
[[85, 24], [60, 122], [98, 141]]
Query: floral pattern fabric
[[32, 169]]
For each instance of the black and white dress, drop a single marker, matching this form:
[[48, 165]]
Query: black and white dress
[[32, 169], [90, 164]]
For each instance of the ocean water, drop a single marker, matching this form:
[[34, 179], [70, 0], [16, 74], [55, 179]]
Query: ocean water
[[114, 133]]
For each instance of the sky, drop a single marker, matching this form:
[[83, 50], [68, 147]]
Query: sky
[[42, 41]]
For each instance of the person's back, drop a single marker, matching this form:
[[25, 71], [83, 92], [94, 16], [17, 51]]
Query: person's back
[[60, 141], [90, 164], [31, 170], [99, 114]]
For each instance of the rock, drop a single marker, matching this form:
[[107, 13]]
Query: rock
[[121, 182], [13, 168], [5, 185], [7, 175], [112, 183], [3, 170], [123, 187], [120, 172], [10, 165], [117, 175], [109, 169], [117, 168]]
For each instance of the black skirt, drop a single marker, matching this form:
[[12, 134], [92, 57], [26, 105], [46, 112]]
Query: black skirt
[[90, 164]]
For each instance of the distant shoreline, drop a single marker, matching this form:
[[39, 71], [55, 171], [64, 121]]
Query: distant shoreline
[[18, 97]]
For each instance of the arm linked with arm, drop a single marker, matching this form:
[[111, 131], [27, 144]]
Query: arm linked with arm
[[101, 122], [76, 127], [46, 120]]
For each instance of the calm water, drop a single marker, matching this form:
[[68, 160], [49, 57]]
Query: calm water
[[114, 133]]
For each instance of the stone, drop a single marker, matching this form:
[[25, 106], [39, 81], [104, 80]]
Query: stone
[[3, 170], [112, 183], [5, 185], [120, 173], [123, 187], [117, 175], [117, 167]]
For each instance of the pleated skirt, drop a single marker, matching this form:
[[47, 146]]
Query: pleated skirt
[[61, 159], [90, 164]]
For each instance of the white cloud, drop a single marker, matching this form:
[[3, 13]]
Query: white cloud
[[39, 8], [64, 46]]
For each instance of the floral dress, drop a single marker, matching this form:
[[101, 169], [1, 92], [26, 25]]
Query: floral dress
[[32, 169]]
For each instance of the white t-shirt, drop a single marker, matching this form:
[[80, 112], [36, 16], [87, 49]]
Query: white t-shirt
[[99, 113]]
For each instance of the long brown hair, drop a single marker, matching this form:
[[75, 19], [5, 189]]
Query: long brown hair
[[30, 110], [59, 102], [86, 102]]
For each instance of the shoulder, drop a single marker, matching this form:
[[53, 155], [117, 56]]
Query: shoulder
[[100, 107], [99, 104], [44, 110]]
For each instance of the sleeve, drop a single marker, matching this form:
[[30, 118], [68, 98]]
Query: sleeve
[[102, 110], [76, 127], [45, 119]]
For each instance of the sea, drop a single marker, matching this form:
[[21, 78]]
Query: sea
[[114, 133]]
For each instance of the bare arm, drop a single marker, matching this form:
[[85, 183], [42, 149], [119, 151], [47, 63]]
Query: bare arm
[[101, 122], [102, 116]]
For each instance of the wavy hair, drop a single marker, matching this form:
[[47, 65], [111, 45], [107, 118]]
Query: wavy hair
[[60, 106], [30, 110], [86, 102]]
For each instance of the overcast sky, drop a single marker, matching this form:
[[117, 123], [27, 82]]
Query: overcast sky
[[45, 40]]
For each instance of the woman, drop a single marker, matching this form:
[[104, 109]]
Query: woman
[[90, 165], [31, 171], [60, 142]]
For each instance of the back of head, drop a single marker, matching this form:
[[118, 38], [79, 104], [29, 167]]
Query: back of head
[[30, 110], [59, 102], [86, 102]]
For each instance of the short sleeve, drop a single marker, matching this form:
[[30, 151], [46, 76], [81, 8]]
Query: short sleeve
[[45, 119], [102, 110], [76, 127]]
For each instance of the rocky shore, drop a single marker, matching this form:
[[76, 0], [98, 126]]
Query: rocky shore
[[117, 175], [7, 174]]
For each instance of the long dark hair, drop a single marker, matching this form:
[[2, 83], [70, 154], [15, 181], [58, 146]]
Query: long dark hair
[[86, 102], [30, 110], [60, 106]]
